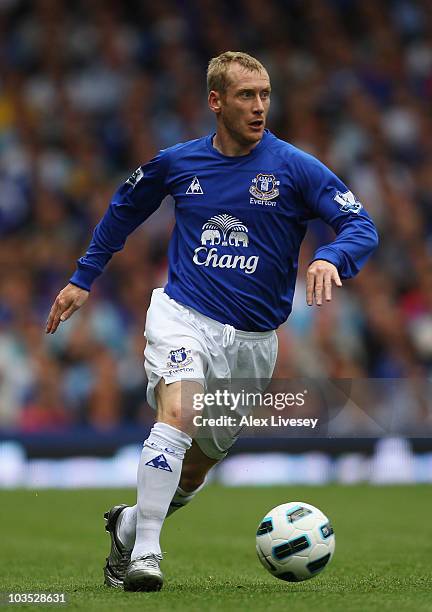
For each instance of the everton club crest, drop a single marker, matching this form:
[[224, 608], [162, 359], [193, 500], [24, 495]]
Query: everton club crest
[[179, 358], [264, 187]]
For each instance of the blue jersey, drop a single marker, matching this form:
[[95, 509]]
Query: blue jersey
[[233, 254]]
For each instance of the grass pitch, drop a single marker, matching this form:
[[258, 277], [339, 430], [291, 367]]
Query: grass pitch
[[54, 541]]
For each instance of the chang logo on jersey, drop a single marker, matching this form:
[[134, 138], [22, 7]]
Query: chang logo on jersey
[[347, 202], [264, 188], [224, 230]]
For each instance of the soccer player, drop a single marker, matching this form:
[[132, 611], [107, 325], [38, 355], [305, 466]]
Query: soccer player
[[242, 202]]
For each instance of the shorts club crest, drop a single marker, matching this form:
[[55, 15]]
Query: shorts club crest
[[179, 358]]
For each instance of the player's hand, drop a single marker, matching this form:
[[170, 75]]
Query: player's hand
[[68, 300], [319, 278]]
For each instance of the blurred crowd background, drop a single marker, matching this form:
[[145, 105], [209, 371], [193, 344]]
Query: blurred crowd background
[[90, 90]]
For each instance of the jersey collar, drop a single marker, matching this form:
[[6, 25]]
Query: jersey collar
[[255, 151]]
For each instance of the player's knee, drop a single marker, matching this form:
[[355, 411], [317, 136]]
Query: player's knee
[[168, 409], [174, 402], [172, 408], [173, 414]]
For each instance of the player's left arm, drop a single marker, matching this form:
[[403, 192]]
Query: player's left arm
[[327, 197]]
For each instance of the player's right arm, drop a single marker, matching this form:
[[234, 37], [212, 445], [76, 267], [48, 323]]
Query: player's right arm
[[131, 205]]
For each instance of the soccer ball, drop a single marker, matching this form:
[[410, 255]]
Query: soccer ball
[[295, 541]]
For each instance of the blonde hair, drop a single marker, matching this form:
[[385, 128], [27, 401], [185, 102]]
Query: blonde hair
[[217, 71]]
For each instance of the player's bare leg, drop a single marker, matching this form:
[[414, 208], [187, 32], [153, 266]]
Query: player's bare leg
[[195, 468], [159, 473]]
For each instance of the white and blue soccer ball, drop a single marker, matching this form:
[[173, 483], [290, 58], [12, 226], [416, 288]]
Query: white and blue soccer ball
[[295, 541]]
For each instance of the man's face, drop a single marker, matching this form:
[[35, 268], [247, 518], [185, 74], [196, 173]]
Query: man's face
[[243, 107]]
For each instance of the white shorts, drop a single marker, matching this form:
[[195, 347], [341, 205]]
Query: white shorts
[[183, 344]]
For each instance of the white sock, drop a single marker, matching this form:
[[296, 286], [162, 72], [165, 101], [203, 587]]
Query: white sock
[[159, 473], [126, 526]]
